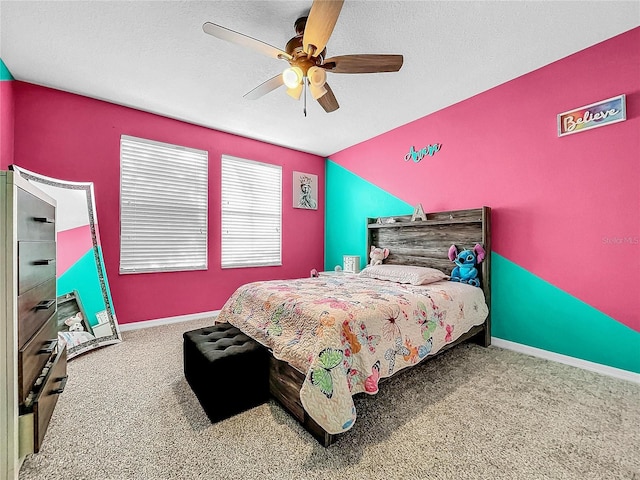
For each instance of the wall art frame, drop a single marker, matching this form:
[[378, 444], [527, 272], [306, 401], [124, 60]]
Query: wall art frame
[[598, 114], [305, 191]]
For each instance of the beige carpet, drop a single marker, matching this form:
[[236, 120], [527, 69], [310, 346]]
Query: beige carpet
[[472, 413]]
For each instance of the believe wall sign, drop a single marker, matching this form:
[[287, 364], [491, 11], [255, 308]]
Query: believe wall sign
[[417, 155], [599, 114]]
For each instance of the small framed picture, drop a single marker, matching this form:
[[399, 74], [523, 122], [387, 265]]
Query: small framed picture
[[305, 191]]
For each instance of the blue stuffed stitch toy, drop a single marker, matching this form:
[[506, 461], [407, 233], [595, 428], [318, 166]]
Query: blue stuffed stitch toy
[[466, 261]]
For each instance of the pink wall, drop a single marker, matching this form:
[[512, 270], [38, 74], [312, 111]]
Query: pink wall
[[76, 138], [6, 123], [565, 209]]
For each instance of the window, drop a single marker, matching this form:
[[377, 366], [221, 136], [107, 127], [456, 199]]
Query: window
[[251, 213], [163, 207]]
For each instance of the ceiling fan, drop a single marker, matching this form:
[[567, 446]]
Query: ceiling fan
[[306, 55]]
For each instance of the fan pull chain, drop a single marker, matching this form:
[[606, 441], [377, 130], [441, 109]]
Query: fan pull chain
[[304, 94]]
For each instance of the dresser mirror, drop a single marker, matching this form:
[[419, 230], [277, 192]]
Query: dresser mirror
[[86, 319]]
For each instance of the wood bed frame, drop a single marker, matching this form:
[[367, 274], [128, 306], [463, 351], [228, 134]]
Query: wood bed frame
[[424, 243]]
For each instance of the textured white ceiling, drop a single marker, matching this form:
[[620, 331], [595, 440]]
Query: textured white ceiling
[[154, 56]]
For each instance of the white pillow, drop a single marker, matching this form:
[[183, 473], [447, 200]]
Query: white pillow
[[404, 274]]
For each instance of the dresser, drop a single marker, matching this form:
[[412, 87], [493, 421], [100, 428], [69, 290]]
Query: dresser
[[32, 362]]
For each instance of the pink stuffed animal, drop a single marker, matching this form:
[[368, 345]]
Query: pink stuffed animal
[[377, 255]]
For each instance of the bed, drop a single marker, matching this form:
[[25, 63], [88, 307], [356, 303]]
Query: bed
[[337, 336]]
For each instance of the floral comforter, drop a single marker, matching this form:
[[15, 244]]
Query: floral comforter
[[347, 332]]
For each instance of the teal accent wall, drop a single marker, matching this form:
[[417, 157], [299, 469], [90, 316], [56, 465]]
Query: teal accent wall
[[528, 310], [83, 277], [349, 200], [5, 74]]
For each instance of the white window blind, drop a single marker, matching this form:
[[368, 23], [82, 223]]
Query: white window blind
[[251, 213], [163, 206]]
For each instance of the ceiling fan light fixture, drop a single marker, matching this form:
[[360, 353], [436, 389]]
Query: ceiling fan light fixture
[[317, 76], [317, 92], [292, 77], [295, 92]]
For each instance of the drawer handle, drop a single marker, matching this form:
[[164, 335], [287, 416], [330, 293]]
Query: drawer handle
[[45, 304], [46, 261], [44, 219], [49, 348], [63, 384]]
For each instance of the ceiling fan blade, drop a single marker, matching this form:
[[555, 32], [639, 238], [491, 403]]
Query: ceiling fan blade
[[363, 63], [265, 87], [328, 100], [322, 18], [244, 40]]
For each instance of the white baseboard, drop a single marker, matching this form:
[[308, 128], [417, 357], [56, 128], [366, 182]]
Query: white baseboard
[[167, 320], [574, 362]]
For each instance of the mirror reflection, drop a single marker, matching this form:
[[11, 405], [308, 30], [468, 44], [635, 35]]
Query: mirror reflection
[[86, 318]]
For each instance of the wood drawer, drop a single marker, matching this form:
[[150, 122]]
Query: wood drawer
[[35, 307], [35, 418], [34, 354], [36, 263], [284, 385], [35, 218]]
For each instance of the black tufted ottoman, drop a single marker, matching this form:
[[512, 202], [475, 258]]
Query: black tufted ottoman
[[227, 370]]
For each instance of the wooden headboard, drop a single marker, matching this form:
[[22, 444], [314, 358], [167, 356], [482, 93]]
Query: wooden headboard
[[426, 242]]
